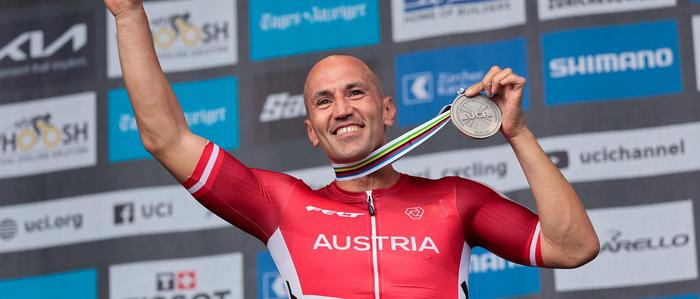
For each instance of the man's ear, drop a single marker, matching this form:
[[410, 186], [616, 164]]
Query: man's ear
[[389, 110], [311, 133]]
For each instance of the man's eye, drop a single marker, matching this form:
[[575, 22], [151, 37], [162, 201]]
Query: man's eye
[[356, 92], [322, 102]]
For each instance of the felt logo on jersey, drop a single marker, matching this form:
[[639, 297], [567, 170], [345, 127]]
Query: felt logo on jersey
[[415, 213], [364, 243], [331, 212]]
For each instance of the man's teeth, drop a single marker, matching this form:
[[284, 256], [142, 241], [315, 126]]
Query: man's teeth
[[347, 129]]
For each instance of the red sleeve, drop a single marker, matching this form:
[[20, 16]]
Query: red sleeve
[[250, 199], [493, 221]]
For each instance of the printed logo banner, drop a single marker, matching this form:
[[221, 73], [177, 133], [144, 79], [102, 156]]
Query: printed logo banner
[[426, 81], [47, 135], [416, 19], [217, 276], [640, 245], [54, 49], [281, 28], [586, 157], [548, 9], [279, 106], [579, 68], [79, 284], [101, 216], [187, 35], [211, 110], [488, 273]]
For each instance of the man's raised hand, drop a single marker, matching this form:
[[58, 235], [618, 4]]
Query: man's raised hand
[[506, 89]]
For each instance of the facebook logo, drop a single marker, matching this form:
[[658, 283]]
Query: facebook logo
[[428, 80], [417, 88], [578, 67], [124, 213]]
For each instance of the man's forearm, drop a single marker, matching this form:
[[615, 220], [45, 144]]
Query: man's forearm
[[568, 238], [158, 114]]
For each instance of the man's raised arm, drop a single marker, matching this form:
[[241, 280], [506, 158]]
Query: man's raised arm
[[567, 235], [160, 120]]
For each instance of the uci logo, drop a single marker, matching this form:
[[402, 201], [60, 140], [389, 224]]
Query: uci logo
[[415, 213]]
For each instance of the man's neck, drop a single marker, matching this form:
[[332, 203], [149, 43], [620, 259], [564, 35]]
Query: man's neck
[[383, 178]]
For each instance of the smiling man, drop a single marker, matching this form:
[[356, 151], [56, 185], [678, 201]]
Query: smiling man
[[382, 235]]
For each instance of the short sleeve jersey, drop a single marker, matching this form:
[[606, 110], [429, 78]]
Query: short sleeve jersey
[[411, 240]]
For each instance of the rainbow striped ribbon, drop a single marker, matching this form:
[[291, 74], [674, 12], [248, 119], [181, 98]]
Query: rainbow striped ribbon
[[393, 150]]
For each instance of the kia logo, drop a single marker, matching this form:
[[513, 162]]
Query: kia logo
[[415, 213]]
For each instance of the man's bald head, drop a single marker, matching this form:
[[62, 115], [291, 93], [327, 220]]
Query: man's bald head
[[344, 61]]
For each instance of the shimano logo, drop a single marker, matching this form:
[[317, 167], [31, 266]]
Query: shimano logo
[[331, 213], [610, 62], [364, 243], [281, 106], [30, 45]]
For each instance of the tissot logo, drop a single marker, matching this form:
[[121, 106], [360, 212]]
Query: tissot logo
[[171, 281], [202, 277], [35, 42], [331, 212], [415, 213], [127, 213], [279, 106], [8, 229]]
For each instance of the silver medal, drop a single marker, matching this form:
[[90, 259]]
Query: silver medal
[[477, 117]]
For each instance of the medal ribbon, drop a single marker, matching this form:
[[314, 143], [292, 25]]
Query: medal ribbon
[[393, 150]]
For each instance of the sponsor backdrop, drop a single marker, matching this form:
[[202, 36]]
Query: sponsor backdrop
[[86, 213]]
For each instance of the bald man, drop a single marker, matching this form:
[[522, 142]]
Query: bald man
[[386, 234]]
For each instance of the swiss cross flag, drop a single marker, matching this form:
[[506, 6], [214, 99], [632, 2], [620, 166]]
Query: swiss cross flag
[[186, 280]]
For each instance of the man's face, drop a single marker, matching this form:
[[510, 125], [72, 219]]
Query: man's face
[[347, 113]]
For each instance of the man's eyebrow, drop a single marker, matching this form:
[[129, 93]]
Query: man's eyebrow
[[356, 84], [319, 93]]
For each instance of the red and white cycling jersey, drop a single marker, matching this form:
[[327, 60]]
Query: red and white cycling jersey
[[411, 240]]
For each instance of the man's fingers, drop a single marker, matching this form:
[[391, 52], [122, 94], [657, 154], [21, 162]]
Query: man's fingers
[[497, 78], [514, 80], [485, 83]]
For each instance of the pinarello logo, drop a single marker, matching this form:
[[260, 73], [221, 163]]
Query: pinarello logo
[[415, 213]]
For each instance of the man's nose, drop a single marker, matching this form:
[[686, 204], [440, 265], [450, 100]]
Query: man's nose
[[342, 108]]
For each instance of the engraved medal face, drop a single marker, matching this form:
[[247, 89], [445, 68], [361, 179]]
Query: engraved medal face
[[476, 117]]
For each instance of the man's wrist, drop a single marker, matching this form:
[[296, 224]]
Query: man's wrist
[[127, 13], [520, 135]]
